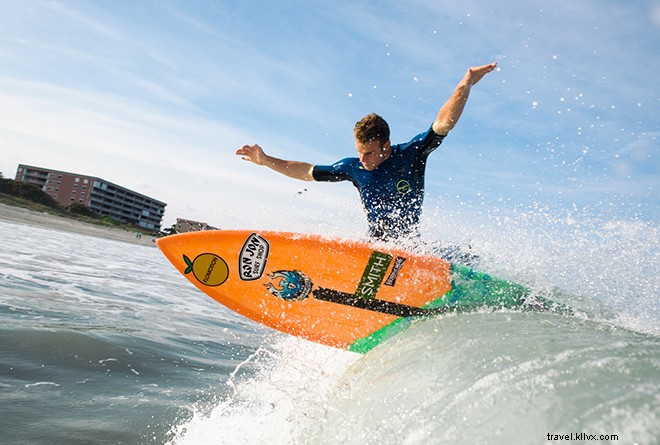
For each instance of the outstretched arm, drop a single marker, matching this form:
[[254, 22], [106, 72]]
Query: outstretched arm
[[292, 169], [452, 109]]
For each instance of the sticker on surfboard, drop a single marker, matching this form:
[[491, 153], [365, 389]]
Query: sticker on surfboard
[[253, 257], [289, 285], [375, 272], [208, 268]]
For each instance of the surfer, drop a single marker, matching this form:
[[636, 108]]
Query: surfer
[[389, 178]]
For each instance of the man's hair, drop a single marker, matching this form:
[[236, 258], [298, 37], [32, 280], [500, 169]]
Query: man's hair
[[372, 128]]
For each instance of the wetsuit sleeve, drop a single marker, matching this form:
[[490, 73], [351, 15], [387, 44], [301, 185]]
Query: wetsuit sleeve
[[339, 171], [430, 141]]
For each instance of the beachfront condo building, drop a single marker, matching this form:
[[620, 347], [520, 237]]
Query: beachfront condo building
[[100, 196]]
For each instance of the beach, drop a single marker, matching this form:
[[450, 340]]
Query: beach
[[20, 215]]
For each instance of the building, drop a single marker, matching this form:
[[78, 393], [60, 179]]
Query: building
[[188, 225], [99, 195]]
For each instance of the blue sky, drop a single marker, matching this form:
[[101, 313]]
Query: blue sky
[[157, 96]]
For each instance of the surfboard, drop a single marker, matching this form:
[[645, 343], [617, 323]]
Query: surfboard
[[342, 293]]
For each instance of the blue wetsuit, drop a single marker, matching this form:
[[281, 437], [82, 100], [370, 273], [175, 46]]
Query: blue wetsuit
[[392, 194]]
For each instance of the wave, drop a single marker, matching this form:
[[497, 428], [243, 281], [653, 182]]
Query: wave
[[467, 378], [472, 378], [482, 377]]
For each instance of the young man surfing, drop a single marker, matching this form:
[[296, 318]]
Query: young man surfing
[[389, 178]]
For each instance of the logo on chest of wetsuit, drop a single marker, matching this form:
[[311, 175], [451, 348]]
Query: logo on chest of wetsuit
[[403, 187]]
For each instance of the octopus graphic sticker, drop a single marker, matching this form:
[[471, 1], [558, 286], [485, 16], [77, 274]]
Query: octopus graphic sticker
[[289, 285]]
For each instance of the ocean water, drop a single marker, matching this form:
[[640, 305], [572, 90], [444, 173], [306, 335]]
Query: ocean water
[[102, 342]]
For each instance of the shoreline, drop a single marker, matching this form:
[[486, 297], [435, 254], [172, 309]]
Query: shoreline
[[19, 215]]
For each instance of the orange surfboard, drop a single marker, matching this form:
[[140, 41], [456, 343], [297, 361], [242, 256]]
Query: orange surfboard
[[345, 294]]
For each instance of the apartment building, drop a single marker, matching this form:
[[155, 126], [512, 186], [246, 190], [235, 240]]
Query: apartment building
[[100, 196]]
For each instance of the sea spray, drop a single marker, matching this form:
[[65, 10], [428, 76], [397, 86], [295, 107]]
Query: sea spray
[[274, 395]]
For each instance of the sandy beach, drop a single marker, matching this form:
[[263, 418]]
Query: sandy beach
[[29, 217]]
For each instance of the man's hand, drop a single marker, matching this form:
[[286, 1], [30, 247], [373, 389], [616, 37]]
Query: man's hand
[[476, 73], [452, 109], [292, 169], [252, 153]]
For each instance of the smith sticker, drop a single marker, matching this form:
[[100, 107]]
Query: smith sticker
[[253, 257], [208, 268], [373, 275]]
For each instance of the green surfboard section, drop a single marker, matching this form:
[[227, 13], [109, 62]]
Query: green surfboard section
[[470, 290]]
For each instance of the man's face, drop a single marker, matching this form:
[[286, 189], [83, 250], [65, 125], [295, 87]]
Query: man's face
[[373, 153]]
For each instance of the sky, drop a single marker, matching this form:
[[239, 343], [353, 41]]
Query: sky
[[156, 96]]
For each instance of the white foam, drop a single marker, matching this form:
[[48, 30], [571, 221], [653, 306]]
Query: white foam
[[275, 394]]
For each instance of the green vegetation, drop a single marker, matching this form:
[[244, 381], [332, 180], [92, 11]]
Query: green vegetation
[[27, 192], [28, 196], [80, 210]]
